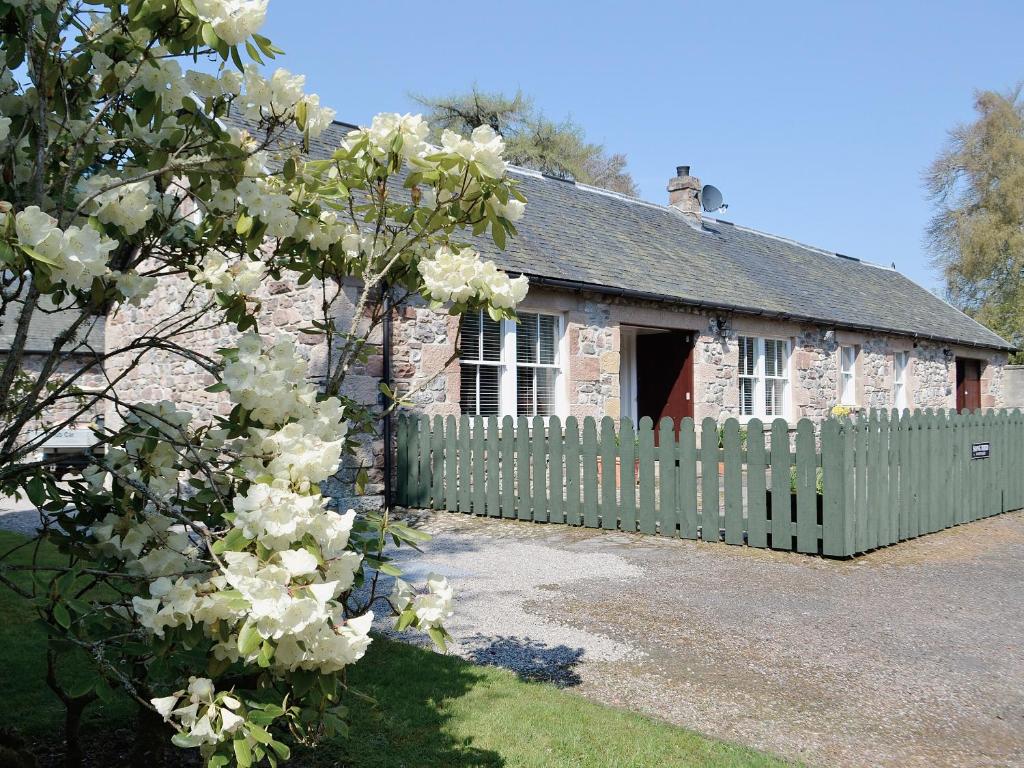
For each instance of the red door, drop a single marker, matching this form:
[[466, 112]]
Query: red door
[[664, 376], [968, 384]]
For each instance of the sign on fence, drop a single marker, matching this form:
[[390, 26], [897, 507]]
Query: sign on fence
[[848, 488]]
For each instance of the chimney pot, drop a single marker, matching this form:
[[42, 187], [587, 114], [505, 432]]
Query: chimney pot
[[682, 170]]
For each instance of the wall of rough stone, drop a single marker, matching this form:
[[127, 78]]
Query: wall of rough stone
[[286, 308], [425, 342]]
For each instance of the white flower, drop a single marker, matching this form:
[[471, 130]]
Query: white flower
[[164, 705], [402, 594], [435, 606], [133, 286], [298, 562], [234, 21], [458, 277], [200, 689], [229, 721]]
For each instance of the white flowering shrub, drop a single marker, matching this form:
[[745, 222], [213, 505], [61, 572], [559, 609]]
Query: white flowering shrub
[[206, 574]]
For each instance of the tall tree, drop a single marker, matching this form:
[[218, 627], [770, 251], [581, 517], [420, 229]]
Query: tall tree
[[977, 231], [531, 139]]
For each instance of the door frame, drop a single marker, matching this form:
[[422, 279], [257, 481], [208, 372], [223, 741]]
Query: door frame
[[628, 402]]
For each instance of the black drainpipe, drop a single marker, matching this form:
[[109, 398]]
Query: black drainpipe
[[385, 400]]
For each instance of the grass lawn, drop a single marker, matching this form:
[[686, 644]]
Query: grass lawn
[[430, 710]]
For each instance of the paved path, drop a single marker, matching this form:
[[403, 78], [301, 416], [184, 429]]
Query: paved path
[[910, 656]]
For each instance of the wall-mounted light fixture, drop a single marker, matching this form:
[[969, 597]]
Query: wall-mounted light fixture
[[720, 326], [948, 354]]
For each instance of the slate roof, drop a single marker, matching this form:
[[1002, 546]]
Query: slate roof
[[46, 323], [576, 236]]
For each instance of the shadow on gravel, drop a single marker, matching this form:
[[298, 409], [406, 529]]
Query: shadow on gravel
[[529, 659]]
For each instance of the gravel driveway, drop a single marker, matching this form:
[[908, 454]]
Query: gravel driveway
[[910, 656]]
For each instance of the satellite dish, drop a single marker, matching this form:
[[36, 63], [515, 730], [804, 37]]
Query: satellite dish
[[711, 198]]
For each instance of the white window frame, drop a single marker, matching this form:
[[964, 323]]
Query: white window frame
[[848, 374], [760, 378], [508, 402], [900, 366]]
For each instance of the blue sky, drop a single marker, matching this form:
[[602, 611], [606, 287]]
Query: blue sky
[[815, 119]]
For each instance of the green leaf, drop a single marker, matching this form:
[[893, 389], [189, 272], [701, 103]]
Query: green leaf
[[438, 635], [61, 615], [408, 617], [281, 749], [248, 638], [32, 253], [35, 490], [260, 734], [243, 755], [244, 224]]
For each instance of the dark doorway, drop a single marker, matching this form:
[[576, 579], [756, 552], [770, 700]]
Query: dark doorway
[[968, 384], [664, 376]]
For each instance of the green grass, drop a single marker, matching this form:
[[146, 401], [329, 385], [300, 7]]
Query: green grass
[[428, 710]]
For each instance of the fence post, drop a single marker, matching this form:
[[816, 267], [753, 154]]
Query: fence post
[[627, 463], [524, 501], [423, 489], [451, 465], [709, 501], [539, 447], [833, 524], [437, 464], [573, 515], [402, 462], [609, 506], [733, 482], [757, 490], [667, 514], [806, 488], [465, 465], [556, 513], [782, 499], [493, 502], [590, 512], [508, 467], [645, 439], [687, 479]]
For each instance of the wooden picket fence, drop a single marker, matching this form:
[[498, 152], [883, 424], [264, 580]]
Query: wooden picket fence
[[851, 487]]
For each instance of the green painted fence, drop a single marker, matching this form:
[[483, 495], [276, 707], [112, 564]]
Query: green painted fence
[[848, 488]]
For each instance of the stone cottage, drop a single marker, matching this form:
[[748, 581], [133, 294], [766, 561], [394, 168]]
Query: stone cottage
[[641, 309]]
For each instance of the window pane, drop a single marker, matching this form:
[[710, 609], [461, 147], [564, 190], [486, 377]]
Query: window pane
[[491, 339], [548, 331], [545, 383], [775, 358], [467, 389], [747, 355], [747, 397], [774, 395], [525, 391], [469, 337], [526, 339], [489, 390]]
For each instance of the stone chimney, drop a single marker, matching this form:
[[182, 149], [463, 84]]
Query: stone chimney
[[683, 192]]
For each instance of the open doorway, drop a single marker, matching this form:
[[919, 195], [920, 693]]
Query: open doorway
[[968, 384], [656, 374]]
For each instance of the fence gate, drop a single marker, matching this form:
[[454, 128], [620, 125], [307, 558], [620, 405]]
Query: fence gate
[[846, 489]]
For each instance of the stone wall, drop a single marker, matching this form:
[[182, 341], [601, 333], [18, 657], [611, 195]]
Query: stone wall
[[286, 308], [425, 341]]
